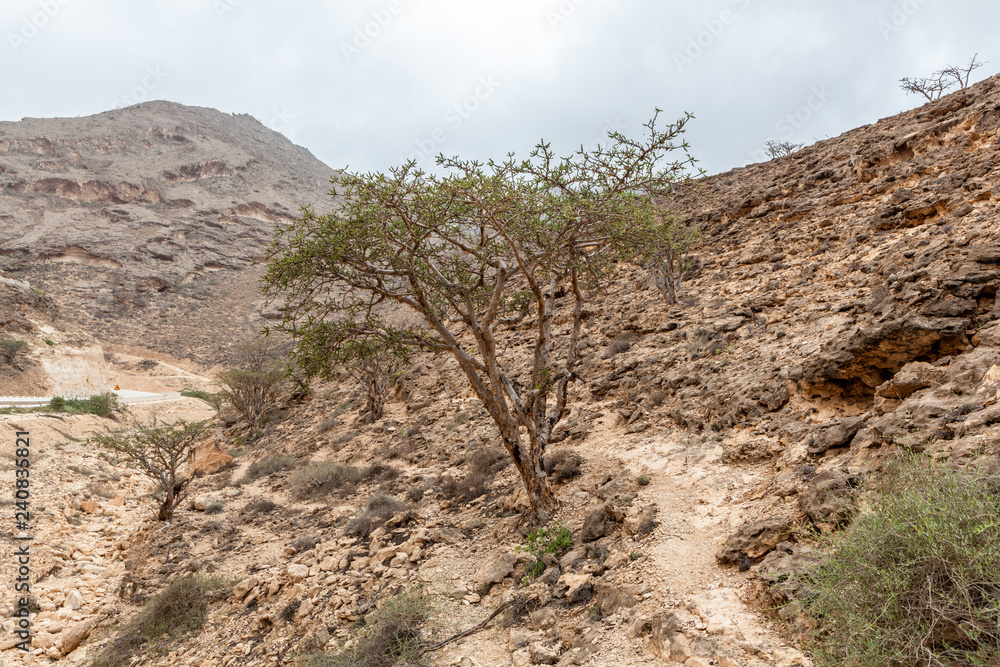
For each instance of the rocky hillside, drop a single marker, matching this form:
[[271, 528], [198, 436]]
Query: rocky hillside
[[42, 354], [140, 220], [843, 309]]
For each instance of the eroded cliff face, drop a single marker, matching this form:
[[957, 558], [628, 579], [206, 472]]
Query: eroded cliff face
[[44, 355], [135, 219]]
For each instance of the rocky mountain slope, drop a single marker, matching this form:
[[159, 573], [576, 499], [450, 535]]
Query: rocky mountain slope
[[843, 309], [42, 354], [135, 218]]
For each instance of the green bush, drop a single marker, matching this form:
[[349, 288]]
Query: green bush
[[554, 540], [916, 580], [390, 636], [102, 405], [178, 610]]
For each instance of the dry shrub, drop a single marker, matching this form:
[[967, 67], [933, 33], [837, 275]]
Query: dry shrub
[[563, 464], [268, 466], [377, 511], [178, 610], [617, 346], [305, 543], [482, 468], [325, 478], [260, 506], [390, 636]]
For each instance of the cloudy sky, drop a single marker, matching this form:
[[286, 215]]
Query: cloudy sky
[[368, 84]]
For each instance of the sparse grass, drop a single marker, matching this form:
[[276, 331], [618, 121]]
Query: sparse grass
[[563, 464], [178, 610], [390, 635], [377, 511], [916, 580], [268, 466], [343, 438]]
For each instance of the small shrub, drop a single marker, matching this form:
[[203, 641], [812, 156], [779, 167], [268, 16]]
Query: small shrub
[[916, 580], [563, 464], [100, 489], [304, 543], [215, 507], [10, 350], [617, 346], [178, 610], [325, 478], [267, 466], [260, 506], [643, 480], [214, 400], [415, 494], [555, 540], [481, 469], [458, 419], [49, 342], [58, 403], [656, 398], [377, 511], [390, 636], [288, 611]]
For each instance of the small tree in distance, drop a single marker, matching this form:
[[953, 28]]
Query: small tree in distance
[[776, 149], [255, 384], [668, 257], [472, 252], [157, 451], [939, 83]]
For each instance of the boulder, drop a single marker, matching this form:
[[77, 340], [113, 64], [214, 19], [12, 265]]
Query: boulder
[[755, 539], [207, 458], [497, 570], [75, 634]]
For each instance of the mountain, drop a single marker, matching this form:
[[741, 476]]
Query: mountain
[[133, 220]]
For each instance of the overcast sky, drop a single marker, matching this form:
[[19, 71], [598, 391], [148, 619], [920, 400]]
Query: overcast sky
[[367, 84]]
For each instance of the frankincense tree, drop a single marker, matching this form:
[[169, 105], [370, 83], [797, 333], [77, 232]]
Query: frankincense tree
[[471, 252]]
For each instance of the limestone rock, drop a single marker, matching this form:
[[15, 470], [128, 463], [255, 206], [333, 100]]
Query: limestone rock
[[208, 457]]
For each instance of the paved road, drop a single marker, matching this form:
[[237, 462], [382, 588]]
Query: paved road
[[124, 396]]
